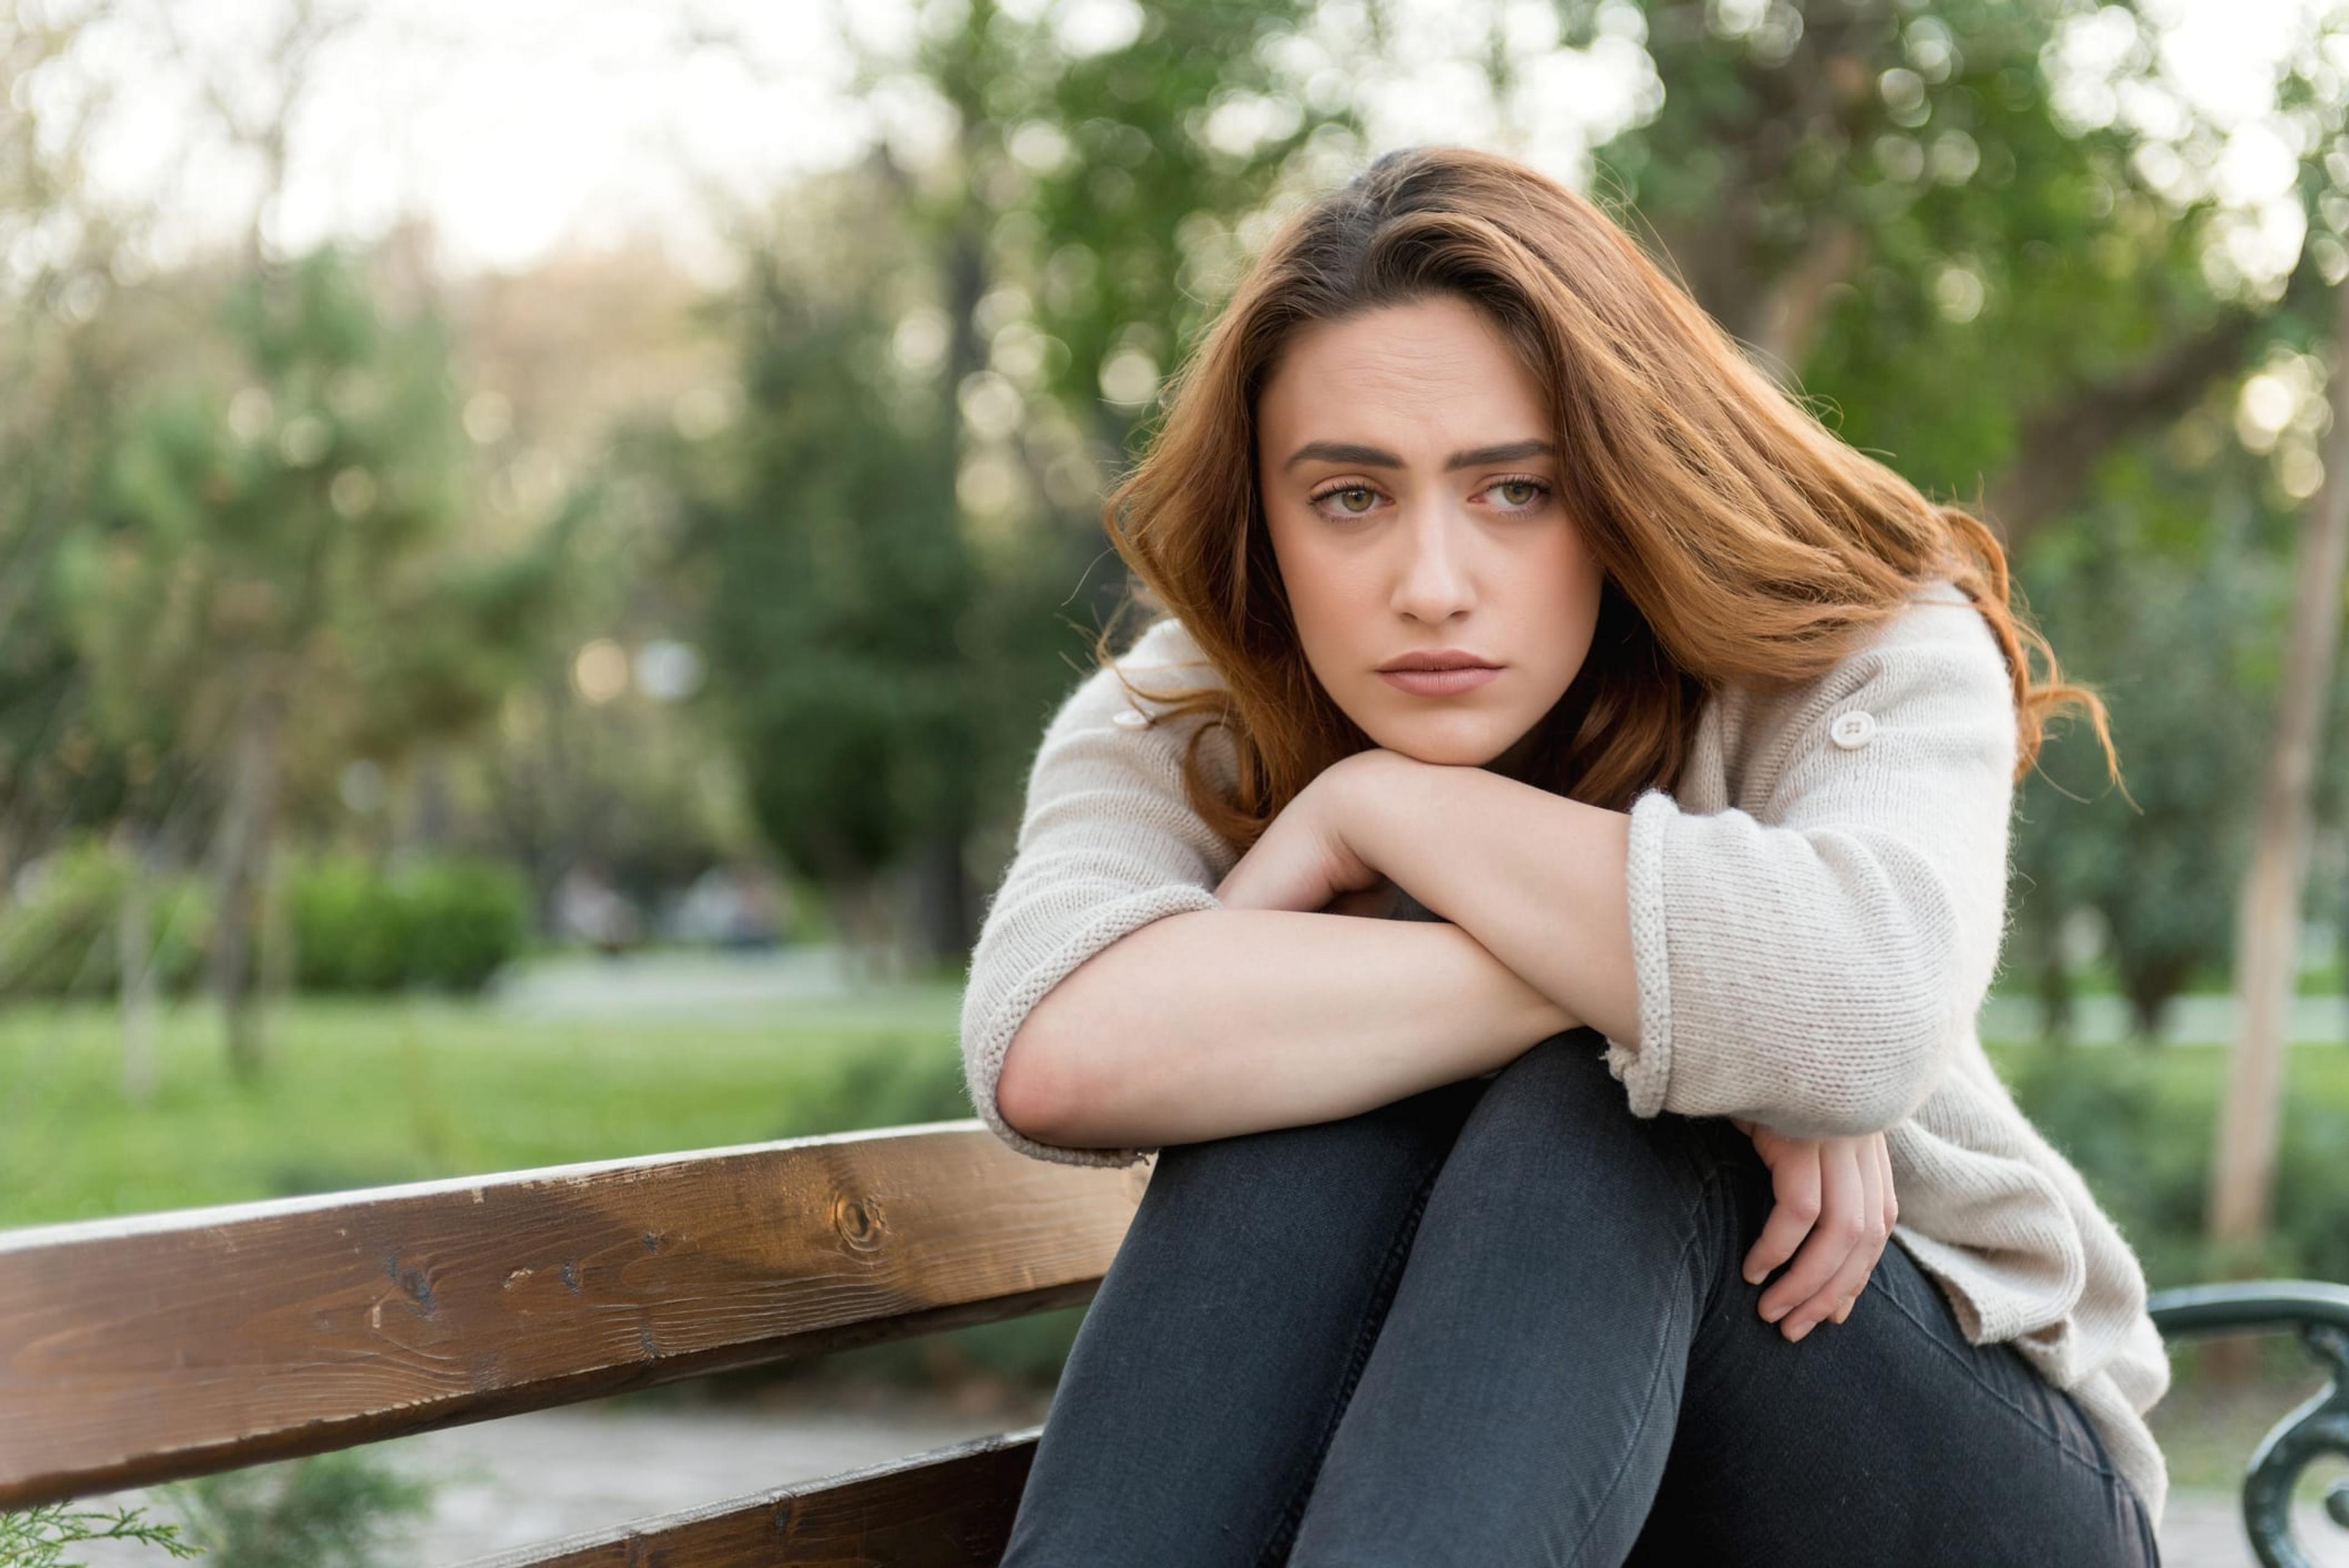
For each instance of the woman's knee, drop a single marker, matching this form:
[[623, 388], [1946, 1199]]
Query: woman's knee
[[1292, 1169], [1557, 1109], [1560, 1080]]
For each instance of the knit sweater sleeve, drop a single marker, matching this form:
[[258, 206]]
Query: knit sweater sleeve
[[1810, 963], [1108, 842]]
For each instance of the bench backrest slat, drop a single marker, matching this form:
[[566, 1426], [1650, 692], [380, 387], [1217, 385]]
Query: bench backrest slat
[[172, 1345], [950, 1508]]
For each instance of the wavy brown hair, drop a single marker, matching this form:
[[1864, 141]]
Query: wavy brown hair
[[1741, 541]]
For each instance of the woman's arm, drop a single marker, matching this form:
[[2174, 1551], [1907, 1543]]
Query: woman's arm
[[1536, 878], [1806, 965], [1221, 1021], [1374, 812], [1229, 1018]]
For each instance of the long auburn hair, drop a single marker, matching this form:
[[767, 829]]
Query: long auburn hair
[[1741, 541]]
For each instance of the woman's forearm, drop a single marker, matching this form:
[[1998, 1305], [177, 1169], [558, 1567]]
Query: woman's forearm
[[1222, 1021], [1538, 879]]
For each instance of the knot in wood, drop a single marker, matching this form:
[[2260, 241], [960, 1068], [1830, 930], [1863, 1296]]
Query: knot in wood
[[859, 1221]]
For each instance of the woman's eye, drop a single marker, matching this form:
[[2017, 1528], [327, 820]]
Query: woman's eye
[[1367, 498], [1532, 491]]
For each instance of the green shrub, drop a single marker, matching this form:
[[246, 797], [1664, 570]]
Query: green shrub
[[347, 926], [443, 921], [59, 936], [37, 1537], [440, 922], [466, 917], [342, 1510]]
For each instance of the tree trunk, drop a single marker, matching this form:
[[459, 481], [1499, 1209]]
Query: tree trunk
[[436, 808], [276, 923], [872, 912], [942, 900], [2053, 987], [2267, 959], [134, 950], [1795, 306], [240, 863]]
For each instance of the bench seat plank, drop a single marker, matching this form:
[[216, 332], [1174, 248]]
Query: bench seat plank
[[162, 1346]]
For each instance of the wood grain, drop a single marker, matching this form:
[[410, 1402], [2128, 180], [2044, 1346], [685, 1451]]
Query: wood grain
[[162, 1346], [950, 1508]]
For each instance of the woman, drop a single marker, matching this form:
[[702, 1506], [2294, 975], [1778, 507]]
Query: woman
[[1543, 1221]]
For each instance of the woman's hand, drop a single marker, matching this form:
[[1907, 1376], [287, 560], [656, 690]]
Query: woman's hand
[[1302, 860], [1839, 1192]]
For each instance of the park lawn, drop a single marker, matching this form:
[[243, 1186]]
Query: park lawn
[[363, 1092], [2187, 1077]]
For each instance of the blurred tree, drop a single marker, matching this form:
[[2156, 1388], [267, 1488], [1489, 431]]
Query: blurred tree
[[919, 467], [269, 579], [578, 369], [1084, 221], [2165, 609], [1883, 199], [839, 583], [585, 765], [2267, 965], [69, 351], [62, 366]]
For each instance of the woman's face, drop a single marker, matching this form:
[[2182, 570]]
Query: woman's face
[[1405, 464]]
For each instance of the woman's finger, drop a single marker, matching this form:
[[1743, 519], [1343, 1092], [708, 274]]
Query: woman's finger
[[1852, 1278], [1892, 1199], [1792, 1302], [1848, 1222], [1794, 1185], [1891, 1211]]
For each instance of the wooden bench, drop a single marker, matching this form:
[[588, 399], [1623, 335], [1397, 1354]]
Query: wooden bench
[[164, 1346]]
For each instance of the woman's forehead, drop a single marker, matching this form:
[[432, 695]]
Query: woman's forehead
[[1429, 373]]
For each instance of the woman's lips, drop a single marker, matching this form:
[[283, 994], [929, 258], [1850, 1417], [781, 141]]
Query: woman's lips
[[1440, 683]]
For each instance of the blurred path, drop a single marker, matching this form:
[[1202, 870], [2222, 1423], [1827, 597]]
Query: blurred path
[[536, 1477], [591, 984]]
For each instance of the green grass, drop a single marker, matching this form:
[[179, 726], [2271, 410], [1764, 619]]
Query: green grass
[[2183, 1075], [364, 1092]]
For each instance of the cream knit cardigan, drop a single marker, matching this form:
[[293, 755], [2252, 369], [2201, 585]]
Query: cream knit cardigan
[[1817, 912]]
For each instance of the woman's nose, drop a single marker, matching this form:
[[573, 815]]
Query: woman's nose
[[1431, 579]]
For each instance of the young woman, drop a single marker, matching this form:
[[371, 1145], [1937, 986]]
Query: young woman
[[1543, 1221]]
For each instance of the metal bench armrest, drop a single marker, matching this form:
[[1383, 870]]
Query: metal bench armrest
[[2319, 1312]]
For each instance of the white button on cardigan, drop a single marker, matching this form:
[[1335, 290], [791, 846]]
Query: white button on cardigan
[[1852, 729]]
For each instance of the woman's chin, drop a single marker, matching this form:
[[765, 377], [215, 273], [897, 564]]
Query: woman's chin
[[1450, 751]]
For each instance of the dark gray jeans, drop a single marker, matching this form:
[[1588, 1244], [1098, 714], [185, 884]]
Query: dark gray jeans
[[1501, 1323]]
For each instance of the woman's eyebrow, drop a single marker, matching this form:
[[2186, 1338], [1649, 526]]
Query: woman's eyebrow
[[1378, 457]]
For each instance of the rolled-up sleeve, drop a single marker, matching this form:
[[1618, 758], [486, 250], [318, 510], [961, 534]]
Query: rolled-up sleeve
[[1108, 842], [1810, 963]]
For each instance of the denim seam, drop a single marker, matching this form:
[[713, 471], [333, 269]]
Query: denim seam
[[2099, 1467], [1374, 1313], [2143, 1522], [1648, 1406]]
